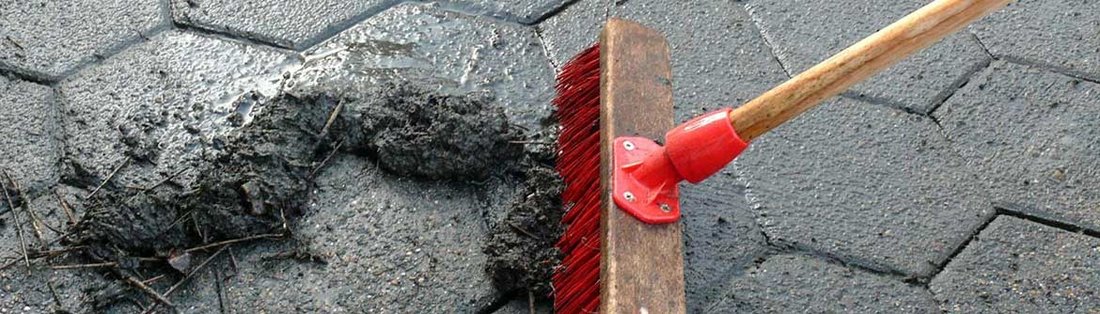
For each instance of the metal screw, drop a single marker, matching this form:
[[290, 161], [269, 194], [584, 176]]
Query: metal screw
[[629, 196], [665, 207], [628, 145]]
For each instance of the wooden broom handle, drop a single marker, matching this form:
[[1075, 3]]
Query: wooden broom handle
[[869, 56]]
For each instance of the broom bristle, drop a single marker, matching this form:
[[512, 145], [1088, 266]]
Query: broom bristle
[[576, 282]]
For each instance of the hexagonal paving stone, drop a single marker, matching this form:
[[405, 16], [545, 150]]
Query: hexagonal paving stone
[[454, 51], [718, 57], [805, 32], [50, 38], [293, 24], [1034, 135], [169, 95], [797, 283], [1018, 266], [1057, 33], [29, 134], [520, 11], [867, 183]]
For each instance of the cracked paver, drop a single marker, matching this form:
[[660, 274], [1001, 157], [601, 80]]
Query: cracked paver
[[805, 32], [1062, 34], [168, 94], [50, 38], [1034, 135], [798, 283], [29, 134], [519, 11], [1019, 266], [869, 183]]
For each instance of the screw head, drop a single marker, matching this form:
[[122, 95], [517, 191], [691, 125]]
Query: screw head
[[628, 196], [665, 207], [628, 145]]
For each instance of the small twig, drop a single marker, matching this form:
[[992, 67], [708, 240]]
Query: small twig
[[18, 226], [153, 293], [325, 161], [232, 241], [152, 280], [108, 178], [169, 178], [27, 207], [525, 232], [332, 118], [81, 266], [65, 207], [56, 298], [531, 301], [186, 277], [531, 142]]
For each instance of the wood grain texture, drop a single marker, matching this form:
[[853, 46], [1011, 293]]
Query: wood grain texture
[[918, 30], [642, 265]]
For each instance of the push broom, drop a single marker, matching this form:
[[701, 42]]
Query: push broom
[[622, 245]]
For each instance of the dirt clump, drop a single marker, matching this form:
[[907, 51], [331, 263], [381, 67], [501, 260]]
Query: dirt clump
[[521, 250]]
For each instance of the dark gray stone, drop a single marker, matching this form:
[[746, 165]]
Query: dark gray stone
[[1017, 266], [867, 183], [520, 11], [1033, 135], [803, 33], [1057, 33], [28, 134], [292, 24], [720, 238], [49, 38], [718, 57], [390, 245], [159, 100], [797, 283], [453, 51]]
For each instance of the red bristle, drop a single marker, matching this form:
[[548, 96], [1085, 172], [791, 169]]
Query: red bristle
[[576, 282]]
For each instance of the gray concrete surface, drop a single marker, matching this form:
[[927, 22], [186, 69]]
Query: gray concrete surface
[[871, 183], [1018, 266], [1034, 136], [31, 134], [804, 33], [1058, 34], [798, 283], [857, 207], [48, 39]]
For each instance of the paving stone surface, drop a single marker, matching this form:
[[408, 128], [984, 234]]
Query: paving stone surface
[[797, 283], [29, 136], [1022, 267], [1061, 34], [166, 95], [719, 58], [803, 33], [50, 38], [293, 24], [520, 11], [454, 51], [720, 237], [390, 245], [1034, 135], [869, 183]]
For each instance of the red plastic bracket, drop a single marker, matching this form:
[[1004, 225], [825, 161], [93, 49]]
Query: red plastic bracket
[[647, 191]]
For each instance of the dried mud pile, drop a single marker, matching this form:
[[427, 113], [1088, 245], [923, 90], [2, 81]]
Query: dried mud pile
[[252, 182]]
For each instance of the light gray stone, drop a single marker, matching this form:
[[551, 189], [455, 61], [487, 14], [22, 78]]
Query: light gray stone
[[797, 283], [48, 39], [866, 183], [1033, 135], [1056, 33], [519, 11], [30, 147], [1022, 267]]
